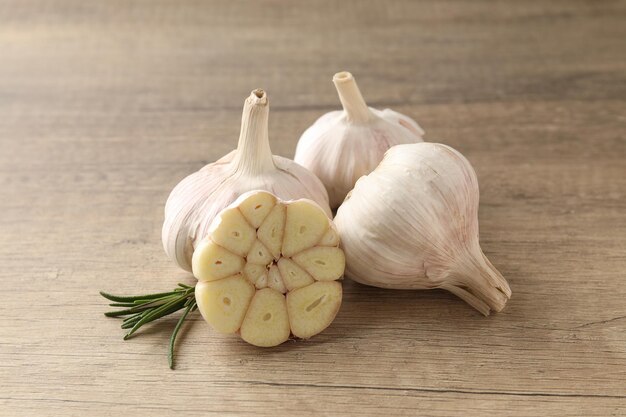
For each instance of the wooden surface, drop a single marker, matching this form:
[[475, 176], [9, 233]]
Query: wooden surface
[[105, 106]]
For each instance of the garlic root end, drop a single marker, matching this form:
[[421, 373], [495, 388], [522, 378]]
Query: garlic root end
[[480, 284], [469, 298]]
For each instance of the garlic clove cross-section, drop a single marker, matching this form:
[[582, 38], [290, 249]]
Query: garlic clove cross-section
[[286, 280], [311, 306], [197, 199], [341, 146], [224, 302], [267, 321], [413, 224]]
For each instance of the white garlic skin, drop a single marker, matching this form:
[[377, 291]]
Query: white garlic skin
[[341, 146], [197, 199], [413, 224]]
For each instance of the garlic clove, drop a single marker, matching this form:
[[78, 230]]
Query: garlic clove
[[259, 254], [254, 272], [212, 262], [305, 225], [427, 194], [240, 236], [293, 275], [272, 230], [266, 323], [275, 280], [223, 303], [256, 209], [312, 307], [197, 199], [342, 146], [253, 302], [330, 238], [323, 263], [261, 282]]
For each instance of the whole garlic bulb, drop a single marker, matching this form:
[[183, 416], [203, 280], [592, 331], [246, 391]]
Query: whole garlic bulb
[[341, 146], [198, 198], [413, 224]]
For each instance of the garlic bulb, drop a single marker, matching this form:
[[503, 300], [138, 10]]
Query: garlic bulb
[[413, 224], [198, 198], [342, 146], [269, 268]]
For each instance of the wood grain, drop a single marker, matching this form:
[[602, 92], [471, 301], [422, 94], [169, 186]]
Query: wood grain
[[105, 106]]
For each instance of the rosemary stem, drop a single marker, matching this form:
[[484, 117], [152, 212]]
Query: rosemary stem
[[170, 352], [139, 310]]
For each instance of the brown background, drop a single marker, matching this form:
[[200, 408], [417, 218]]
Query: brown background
[[105, 106]]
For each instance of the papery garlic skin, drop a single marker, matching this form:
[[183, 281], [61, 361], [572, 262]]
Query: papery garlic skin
[[342, 146], [413, 224], [197, 199]]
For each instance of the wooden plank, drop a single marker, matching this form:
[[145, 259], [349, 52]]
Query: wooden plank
[[105, 106]]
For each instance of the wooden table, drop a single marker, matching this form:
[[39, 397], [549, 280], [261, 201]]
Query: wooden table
[[105, 106]]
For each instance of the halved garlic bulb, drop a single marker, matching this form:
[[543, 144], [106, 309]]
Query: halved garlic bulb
[[341, 146], [413, 224], [197, 199], [269, 268]]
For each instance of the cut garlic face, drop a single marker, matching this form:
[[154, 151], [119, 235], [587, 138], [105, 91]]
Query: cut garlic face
[[269, 268], [413, 224], [342, 146], [196, 200]]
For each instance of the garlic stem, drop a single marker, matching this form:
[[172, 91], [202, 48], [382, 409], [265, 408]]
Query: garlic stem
[[196, 200], [254, 155], [351, 99]]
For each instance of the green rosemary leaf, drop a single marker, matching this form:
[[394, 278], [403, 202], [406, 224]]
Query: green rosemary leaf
[[130, 324], [135, 316], [154, 300], [132, 298], [118, 313], [121, 305], [141, 305], [161, 311], [126, 312], [142, 309], [170, 352]]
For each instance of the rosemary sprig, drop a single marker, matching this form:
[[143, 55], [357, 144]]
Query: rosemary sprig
[[139, 310]]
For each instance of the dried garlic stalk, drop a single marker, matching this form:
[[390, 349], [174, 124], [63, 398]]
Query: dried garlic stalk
[[196, 200], [341, 146]]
